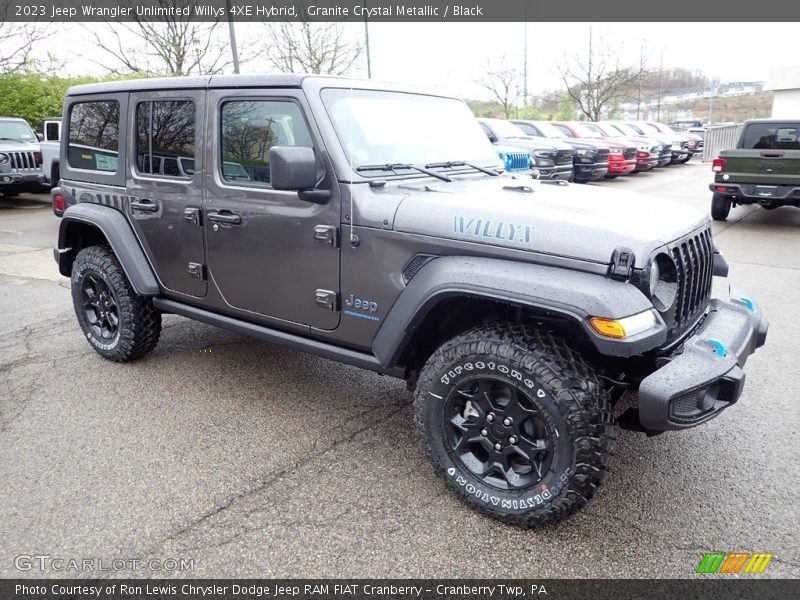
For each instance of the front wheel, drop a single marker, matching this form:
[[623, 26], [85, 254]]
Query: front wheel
[[118, 323], [517, 424], [720, 207]]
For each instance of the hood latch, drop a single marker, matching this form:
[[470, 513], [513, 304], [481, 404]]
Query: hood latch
[[622, 261]]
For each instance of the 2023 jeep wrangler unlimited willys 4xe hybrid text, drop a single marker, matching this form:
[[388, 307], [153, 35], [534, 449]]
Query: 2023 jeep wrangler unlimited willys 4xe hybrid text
[[370, 224]]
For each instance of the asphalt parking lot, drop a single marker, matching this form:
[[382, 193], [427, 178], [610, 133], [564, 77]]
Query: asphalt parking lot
[[252, 460]]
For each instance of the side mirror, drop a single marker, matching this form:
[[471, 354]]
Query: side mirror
[[492, 137], [292, 168], [39, 136]]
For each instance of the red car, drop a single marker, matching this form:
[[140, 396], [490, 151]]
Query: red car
[[621, 157], [646, 151]]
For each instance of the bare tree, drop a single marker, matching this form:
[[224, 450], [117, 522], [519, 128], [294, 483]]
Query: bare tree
[[503, 83], [17, 41], [596, 81], [174, 45], [306, 47]]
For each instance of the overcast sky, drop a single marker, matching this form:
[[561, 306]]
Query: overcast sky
[[452, 56]]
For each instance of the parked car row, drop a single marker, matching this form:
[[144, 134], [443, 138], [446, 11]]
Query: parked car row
[[589, 151]]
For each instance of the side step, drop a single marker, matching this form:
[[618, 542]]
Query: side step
[[290, 340]]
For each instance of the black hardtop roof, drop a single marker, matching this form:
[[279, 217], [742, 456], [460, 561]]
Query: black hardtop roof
[[197, 82]]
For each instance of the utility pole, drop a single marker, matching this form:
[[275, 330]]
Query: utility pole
[[366, 39], [641, 74], [660, 68], [525, 61], [232, 33]]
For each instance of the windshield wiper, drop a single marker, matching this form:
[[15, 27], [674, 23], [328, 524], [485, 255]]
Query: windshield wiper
[[461, 163], [395, 166], [12, 139]]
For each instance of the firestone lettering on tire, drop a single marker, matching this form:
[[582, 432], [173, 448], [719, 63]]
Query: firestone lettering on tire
[[546, 494]]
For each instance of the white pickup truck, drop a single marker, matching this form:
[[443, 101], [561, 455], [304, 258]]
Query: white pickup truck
[[51, 148]]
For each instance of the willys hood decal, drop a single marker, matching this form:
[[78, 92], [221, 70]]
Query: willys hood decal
[[577, 221]]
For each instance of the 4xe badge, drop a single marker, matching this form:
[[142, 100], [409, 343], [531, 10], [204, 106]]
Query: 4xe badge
[[361, 308]]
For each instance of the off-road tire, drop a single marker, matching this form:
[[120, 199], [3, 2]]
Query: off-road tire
[[139, 323], [720, 207], [568, 395]]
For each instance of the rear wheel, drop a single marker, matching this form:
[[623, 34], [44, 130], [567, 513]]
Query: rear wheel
[[516, 423], [720, 207], [118, 323]]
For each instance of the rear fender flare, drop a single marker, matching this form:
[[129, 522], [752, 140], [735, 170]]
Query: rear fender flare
[[116, 229]]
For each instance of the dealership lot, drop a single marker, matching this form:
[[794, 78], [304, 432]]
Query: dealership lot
[[253, 460]]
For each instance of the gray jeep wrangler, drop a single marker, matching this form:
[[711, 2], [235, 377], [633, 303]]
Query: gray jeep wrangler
[[20, 158], [373, 225]]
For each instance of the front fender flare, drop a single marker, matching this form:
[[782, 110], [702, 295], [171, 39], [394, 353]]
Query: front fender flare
[[116, 229], [575, 295]]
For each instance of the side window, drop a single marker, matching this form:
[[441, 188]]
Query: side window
[[94, 136], [165, 136], [250, 128], [51, 132]]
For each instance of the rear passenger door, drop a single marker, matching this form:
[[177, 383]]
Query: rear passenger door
[[269, 253], [164, 185]]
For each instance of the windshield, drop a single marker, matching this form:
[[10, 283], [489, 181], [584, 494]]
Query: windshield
[[623, 128], [650, 128], [380, 127], [582, 130], [16, 130], [505, 129], [550, 130], [596, 130]]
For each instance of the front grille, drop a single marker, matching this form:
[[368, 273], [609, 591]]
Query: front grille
[[564, 157], [693, 257], [520, 161], [629, 153], [601, 156], [22, 161]]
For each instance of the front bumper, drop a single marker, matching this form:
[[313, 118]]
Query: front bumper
[[10, 179], [21, 181], [591, 171], [621, 166], [705, 376], [562, 172]]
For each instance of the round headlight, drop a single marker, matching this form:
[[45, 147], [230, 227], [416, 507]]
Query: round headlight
[[3, 158], [655, 275], [663, 282]]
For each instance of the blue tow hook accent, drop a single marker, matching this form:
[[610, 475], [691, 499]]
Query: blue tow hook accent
[[718, 348], [748, 302]]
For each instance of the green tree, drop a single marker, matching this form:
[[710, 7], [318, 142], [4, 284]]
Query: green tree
[[566, 109]]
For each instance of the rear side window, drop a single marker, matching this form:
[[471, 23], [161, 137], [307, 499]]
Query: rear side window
[[94, 136], [250, 128], [771, 136], [165, 137]]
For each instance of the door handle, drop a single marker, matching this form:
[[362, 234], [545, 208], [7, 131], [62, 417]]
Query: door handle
[[224, 217], [145, 206]]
